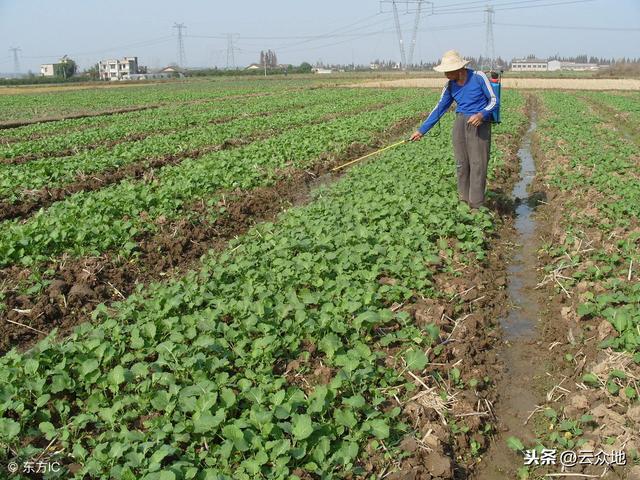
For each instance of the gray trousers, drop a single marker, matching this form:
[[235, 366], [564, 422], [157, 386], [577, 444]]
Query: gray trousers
[[471, 146]]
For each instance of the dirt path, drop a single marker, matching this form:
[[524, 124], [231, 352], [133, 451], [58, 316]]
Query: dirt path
[[520, 83]]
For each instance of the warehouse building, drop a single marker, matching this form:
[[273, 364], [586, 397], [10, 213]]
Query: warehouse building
[[529, 65]]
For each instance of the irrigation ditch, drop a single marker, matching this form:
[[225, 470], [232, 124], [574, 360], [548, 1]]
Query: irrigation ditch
[[543, 350], [519, 351]]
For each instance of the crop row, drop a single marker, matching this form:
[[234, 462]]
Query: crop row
[[64, 101], [91, 222], [627, 105], [69, 125], [65, 134], [167, 119], [195, 378], [600, 246], [55, 172]]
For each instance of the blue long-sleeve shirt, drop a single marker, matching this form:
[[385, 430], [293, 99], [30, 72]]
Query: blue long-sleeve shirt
[[476, 95]]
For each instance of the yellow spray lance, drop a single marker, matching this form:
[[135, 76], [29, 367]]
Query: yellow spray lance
[[368, 155]]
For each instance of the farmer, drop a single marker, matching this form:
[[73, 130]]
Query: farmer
[[475, 101]]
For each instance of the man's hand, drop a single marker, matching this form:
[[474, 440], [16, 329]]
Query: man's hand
[[476, 119], [416, 136]]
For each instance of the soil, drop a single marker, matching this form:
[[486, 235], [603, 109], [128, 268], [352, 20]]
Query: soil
[[78, 285]]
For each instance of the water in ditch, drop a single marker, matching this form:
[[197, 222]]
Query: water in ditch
[[520, 351]]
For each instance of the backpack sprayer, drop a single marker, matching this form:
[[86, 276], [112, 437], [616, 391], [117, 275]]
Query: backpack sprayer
[[495, 78]]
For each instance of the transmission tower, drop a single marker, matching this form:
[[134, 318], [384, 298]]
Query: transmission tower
[[231, 51], [489, 48], [181, 56], [396, 18], [416, 25], [16, 60]]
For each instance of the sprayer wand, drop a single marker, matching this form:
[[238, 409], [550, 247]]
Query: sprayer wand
[[369, 155]]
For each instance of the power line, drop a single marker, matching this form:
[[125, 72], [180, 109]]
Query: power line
[[181, 55], [482, 4], [568, 27], [143, 43], [294, 49], [505, 6], [295, 37]]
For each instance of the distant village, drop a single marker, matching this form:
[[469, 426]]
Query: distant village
[[129, 68], [114, 69]]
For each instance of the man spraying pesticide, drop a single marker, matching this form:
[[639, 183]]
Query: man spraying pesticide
[[477, 105]]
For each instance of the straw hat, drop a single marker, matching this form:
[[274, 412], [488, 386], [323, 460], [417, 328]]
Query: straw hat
[[451, 61]]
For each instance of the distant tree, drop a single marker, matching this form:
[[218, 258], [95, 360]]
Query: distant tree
[[66, 68], [305, 67], [92, 72], [268, 59]]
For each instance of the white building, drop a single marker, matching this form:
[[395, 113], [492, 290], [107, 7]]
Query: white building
[[47, 70], [529, 65], [114, 69], [555, 65], [151, 76]]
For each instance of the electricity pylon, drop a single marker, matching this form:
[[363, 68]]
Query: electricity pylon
[[182, 60]]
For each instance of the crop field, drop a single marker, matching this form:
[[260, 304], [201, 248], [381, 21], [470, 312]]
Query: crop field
[[188, 290]]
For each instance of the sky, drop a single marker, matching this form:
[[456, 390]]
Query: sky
[[328, 31]]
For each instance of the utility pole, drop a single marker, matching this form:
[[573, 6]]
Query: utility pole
[[489, 49], [181, 56], [16, 60]]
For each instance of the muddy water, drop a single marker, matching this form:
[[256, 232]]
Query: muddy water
[[520, 352]]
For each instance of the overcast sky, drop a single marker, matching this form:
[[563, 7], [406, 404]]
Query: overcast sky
[[345, 30]]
